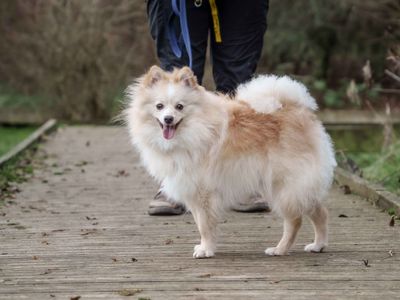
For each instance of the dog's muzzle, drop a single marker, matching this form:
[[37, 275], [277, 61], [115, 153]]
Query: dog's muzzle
[[168, 127]]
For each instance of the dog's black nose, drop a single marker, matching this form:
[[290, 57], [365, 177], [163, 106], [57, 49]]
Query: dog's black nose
[[168, 119]]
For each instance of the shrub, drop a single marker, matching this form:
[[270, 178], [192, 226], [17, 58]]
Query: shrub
[[78, 54]]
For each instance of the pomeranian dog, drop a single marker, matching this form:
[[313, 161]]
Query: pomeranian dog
[[209, 151]]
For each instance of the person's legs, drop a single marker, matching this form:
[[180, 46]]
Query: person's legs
[[159, 15], [235, 59], [243, 25], [198, 21]]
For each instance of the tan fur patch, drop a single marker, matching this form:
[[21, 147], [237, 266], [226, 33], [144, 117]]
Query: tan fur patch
[[154, 75], [292, 127], [298, 128], [250, 131], [184, 75]]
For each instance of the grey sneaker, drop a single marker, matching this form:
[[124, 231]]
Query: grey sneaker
[[254, 203], [161, 206]]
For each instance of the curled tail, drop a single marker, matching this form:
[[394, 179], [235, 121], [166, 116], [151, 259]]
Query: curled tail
[[267, 93]]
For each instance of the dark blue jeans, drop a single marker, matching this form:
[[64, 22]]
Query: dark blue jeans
[[242, 23]]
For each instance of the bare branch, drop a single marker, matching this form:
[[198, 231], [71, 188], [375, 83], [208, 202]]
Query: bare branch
[[392, 75]]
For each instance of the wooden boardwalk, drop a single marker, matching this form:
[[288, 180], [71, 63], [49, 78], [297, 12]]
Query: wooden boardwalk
[[80, 228]]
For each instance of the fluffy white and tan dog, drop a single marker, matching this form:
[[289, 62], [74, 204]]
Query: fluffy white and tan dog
[[209, 151]]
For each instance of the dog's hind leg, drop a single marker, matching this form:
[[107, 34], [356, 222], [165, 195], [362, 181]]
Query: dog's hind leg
[[319, 219], [291, 226], [206, 221]]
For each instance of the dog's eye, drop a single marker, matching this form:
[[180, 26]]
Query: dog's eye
[[160, 106], [179, 106]]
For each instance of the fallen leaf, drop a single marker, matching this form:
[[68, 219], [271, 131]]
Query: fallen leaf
[[391, 223], [129, 292], [122, 173], [366, 263], [81, 164], [346, 189], [276, 281], [48, 271], [169, 241], [88, 231]]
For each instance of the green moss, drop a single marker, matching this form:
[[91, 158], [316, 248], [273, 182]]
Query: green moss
[[16, 170], [357, 139]]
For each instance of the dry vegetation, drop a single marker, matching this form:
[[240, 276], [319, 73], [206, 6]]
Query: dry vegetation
[[78, 54], [327, 44]]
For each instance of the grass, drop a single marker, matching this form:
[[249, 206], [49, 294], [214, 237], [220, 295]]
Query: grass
[[11, 136], [11, 99], [383, 168], [362, 150]]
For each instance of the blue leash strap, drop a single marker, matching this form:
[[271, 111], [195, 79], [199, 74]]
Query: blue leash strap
[[180, 12]]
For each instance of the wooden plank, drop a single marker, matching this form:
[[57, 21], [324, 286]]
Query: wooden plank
[[22, 117], [356, 117], [374, 193]]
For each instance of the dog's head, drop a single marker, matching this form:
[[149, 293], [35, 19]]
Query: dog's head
[[170, 97], [167, 108]]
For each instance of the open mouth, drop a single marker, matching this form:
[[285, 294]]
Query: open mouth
[[169, 129]]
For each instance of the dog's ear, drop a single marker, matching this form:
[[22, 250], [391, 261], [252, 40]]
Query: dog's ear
[[154, 75], [187, 77]]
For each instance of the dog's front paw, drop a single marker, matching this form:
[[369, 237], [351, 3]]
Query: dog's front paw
[[200, 251], [317, 248], [275, 251]]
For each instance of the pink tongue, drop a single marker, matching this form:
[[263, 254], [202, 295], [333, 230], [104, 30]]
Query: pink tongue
[[168, 132]]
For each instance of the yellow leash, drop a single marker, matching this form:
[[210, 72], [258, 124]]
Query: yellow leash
[[217, 28]]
